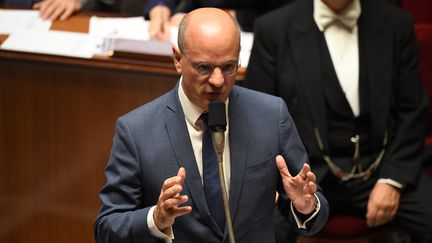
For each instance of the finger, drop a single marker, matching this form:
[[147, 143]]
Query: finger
[[311, 187], [43, 5], [171, 192], [171, 208], [37, 5], [56, 13], [68, 12], [46, 10], [304, 171], [166, 31], [310, 177], [283, 169], [174, 202], [166, 211], [371, 215], [380, 218], [180, 211], [170, 182], [161, 35], [173, 185], [153, 28]]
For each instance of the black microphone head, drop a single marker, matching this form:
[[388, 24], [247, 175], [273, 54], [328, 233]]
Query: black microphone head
[[216, 116]]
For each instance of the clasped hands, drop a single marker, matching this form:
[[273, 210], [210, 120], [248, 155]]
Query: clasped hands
[[300, 189]]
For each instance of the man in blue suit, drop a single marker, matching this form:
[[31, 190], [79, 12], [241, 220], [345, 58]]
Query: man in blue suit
[[154, 190]]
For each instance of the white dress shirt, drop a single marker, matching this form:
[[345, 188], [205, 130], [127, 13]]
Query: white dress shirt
[[341, 35]]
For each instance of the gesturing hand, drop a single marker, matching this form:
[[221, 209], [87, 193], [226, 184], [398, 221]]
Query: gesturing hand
[[301, 188], [167, 208]]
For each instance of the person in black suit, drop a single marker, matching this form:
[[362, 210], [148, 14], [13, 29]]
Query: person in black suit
[[348, 71], [164, 13], [158, 176]]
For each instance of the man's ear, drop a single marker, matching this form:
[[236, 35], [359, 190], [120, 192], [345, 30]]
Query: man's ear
[[176, 59]]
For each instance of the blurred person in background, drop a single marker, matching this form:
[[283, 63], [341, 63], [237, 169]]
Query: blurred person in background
[[348, 71]]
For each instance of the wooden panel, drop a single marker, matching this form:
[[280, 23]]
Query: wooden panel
[[56, 126]]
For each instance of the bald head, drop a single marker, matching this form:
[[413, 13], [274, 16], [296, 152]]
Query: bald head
[[208, 24]]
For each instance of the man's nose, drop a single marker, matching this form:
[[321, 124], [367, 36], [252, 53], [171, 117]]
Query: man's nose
[[216, 77]]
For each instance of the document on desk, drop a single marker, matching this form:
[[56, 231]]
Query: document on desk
[[133, 28], [21, 20], [136, 28], [62, 43]]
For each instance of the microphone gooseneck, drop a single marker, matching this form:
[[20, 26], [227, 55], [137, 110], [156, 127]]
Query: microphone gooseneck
[[217, 125]]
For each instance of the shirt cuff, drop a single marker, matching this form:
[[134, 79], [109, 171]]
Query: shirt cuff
[[391, 182], [300, 224], [166, 236]]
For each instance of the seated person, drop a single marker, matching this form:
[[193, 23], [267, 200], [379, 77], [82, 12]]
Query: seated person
[[50, 9], [348, 71]]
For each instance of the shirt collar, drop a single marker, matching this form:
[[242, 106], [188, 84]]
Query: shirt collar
[[192, 112]]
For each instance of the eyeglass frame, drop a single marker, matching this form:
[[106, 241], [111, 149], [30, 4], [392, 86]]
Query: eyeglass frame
[[195, 65]]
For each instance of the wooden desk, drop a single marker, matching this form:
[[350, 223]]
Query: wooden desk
[[57, 117]]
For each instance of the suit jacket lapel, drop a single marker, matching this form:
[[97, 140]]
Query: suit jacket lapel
[[238, 136], [303, 37], [182, 147], [375, 45]]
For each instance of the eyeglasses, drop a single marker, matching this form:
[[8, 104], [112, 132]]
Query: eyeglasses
[[205, 69]]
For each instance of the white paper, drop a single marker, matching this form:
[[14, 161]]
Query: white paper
[[21, 20], [134, 28], [246, 47], [53, 42]]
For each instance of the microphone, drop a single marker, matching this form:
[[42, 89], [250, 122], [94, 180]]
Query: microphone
[[217, 125]]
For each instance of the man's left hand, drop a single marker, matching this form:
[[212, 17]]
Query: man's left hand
[[382, 205], [300, 188], [57, 9]]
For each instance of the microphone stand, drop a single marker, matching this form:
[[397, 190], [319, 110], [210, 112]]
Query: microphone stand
[[218, 139]]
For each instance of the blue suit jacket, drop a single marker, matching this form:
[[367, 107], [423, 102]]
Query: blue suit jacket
[[152, 142]]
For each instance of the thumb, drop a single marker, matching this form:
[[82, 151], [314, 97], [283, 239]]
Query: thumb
[[182, 174], [283, 169]]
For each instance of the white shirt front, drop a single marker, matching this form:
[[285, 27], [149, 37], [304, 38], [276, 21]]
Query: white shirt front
[[342, 42]]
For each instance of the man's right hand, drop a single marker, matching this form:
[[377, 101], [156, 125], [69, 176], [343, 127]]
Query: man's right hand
[[159, 27], [168, 206]]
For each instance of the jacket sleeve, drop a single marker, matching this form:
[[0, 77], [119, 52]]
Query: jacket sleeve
[[295, 156], [122, 218], [403, 159]]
